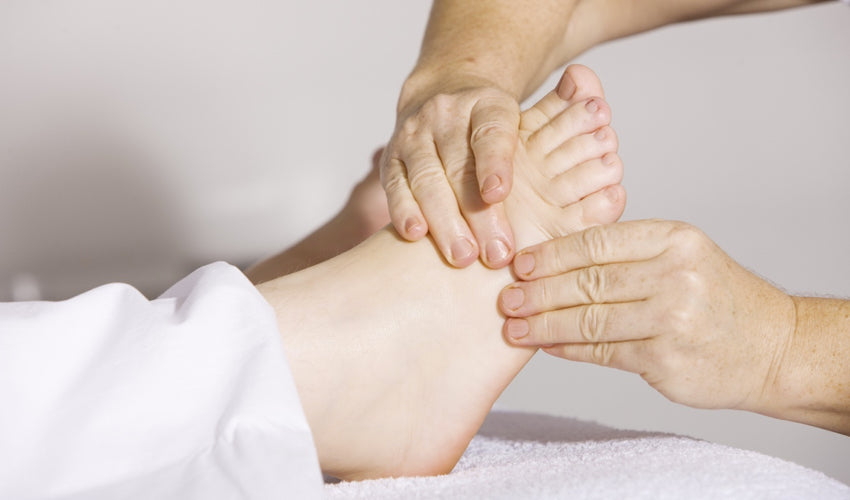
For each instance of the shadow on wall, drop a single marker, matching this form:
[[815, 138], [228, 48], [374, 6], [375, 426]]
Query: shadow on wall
[[80, 207]]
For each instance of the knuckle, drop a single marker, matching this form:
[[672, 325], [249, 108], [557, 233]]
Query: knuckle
[[595, 244], [686, 238], [394, 184], [425, 178], [680, 318], [488, 131], [602, 353], [590, 283], [591, 324]]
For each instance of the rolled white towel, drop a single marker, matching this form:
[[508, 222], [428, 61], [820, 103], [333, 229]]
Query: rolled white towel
[[528, 456]]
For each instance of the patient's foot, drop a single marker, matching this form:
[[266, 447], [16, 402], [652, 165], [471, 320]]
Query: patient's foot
[[397, 356], [364, 213]]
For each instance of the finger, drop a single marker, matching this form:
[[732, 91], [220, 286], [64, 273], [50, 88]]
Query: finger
[[580, 118], [623, 242], [580, 149], [629, 356], [489, 223], [591, 323], [436, 198], [494, 134], [602, 284], [405, 214], [586, 178]]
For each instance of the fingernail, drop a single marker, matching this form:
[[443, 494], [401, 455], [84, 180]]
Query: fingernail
[[566, 87], [592, 106], [609, 159], [497, 251], [512, 298], [524, 263], [600, 134], [411, 224], [491, 183], [613, 194], [461, 249], [517, 328]]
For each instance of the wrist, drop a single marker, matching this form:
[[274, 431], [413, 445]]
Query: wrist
[[810, 385], [427, 81]]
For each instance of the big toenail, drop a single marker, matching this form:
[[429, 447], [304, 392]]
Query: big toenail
[[512, 298], [491, 183], [517, 328], [461, 249], [592, 106], [566, 87], [524, 263], [600, 134], [497, 251], [411, 224]]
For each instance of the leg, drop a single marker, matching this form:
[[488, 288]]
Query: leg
[[397, 356], [364, 213]]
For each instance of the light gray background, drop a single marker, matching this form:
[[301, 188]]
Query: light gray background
[[139, 140]]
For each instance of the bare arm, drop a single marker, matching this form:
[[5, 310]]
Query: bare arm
[[599, 21], [812, 385]]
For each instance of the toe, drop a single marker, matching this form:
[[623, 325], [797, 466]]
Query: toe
[[580, 149], [585, 179], [581, 118], [578, 83]]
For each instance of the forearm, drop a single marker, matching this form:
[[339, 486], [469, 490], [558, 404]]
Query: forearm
[[812, 385], [512, 45], [598, 21]]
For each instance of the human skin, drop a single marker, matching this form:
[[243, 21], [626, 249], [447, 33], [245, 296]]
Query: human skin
[[478, 59], [396, 354], [660, 299]]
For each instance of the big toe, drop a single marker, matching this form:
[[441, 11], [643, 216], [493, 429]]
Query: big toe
[[578, 83]]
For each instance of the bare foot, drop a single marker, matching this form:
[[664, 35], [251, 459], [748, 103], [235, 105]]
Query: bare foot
[[364, 213], [397, 356]]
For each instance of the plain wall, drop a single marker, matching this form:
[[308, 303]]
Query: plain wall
[[139, 140]]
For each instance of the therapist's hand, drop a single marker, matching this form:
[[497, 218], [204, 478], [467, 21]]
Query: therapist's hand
[[659, 299], [449, 164]]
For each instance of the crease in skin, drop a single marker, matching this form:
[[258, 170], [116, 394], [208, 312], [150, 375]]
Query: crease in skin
[[779, 357]]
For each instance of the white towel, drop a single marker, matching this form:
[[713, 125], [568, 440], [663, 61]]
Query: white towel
[[528, 456]]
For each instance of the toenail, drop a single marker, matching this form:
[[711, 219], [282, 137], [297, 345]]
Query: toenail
[[592, 106], [512, 298], [411, 224], [600, 134], [491, 183], [461, 249], [517, 328], [609, 159], [524, 263], [497, 251], [613, 194], [566, 87]]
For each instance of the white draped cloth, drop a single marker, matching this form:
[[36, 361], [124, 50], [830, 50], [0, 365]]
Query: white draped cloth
[[110, 395]]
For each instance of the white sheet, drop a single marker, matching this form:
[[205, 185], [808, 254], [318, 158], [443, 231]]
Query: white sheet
[[111, 396], [527, 456]]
